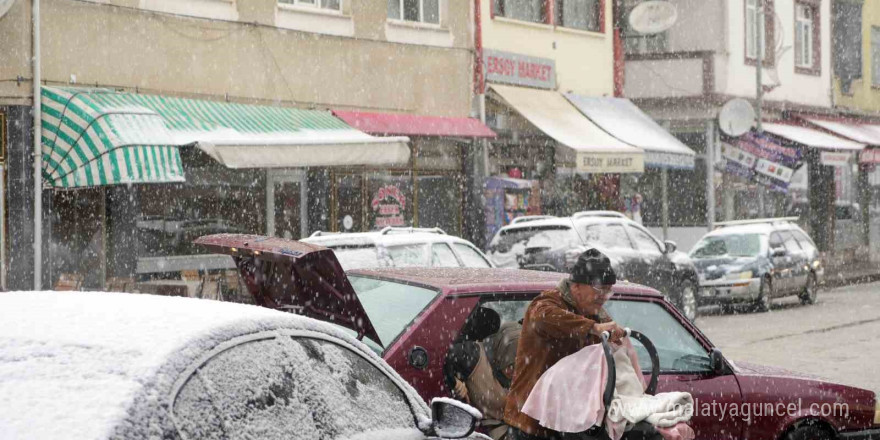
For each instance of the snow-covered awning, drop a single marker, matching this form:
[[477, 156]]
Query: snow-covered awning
[[864, 133], [625, 121], [811, 137], [102, 137], [596, 151]]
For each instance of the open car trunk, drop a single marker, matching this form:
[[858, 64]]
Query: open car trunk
[[289, 275]]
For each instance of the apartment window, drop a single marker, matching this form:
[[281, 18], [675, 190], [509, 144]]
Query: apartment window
[[334, 5], [580, 14], [421, 11], [764, 29], [526, 10], [806, 37], [875, 56]]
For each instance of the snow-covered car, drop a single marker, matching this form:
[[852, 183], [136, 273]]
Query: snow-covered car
[[400, 247], [553, 244], [755, 261], [98, 365]]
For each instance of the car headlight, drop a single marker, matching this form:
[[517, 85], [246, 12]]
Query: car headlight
[[739, 275]]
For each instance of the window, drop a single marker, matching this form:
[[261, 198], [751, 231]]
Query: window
[[607, 236], [803, 38], [534, 11], [752, 15], [390, 306], [775, 241], [790, 243], [847, 42], [805, 242], [517, 240], [580, 14], [469, 256], [335, 5], [290, 388], [412, 255], [807, 42], [875, 56], [422, 11], [442, 256], [644, 242]]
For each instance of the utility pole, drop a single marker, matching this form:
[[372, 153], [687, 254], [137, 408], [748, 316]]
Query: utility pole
[[759, 93]]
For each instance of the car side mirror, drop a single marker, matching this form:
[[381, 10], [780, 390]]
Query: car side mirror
[[716, 359], [452, 419], [778, 252], [670, 246]]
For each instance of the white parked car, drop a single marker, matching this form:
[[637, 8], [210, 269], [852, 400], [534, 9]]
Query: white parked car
[[97, 365], [400, 247]]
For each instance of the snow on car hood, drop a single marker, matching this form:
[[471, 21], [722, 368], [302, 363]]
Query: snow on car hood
[[95, 365], [750, 369]]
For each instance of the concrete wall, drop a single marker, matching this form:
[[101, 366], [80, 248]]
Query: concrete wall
[[584, 60], [863, 96], [701, 25], [354, 59], [793, 87]]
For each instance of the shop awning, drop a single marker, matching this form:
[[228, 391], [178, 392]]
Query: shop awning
[[504, 182], [864, 133], [625, 121], [811, 137], [101, 137], [413, 125], [596, 151]]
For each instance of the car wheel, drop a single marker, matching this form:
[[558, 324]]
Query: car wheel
[[809, 432], [762, 304], [686, 300], [811, 290]]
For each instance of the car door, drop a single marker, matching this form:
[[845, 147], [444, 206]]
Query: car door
[[659, 268], [289, 385], [782, 266], [798, 261], [684, 365]]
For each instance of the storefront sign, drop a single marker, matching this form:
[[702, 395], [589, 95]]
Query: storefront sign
[[522, 70], [610, 163], [739, 156], [774, 170], [766, 148], [389, 204], [834, 158]]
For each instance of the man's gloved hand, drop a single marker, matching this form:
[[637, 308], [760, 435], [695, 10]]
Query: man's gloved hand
[[612, 328], [461, 391]]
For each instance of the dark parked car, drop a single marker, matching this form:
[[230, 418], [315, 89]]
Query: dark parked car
[[99, 365], [755, 261], [411, 316], [554, 243]]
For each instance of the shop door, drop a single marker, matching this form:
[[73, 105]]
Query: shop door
[[286, 201], [348, 203]]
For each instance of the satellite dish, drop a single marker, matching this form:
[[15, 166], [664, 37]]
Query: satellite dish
[[4, 6], [652, 17], [736, 117]]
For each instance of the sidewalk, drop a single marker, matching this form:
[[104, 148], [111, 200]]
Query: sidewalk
[[850, 268]]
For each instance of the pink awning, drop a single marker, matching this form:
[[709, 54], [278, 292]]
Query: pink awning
[[413, 125]]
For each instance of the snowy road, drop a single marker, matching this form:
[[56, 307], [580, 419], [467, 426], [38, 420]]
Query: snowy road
[[836, 338]]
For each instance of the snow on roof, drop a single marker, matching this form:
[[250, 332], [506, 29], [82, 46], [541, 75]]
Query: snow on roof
[[86, 365]]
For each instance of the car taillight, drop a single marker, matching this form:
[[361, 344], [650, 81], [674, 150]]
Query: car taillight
[[876, 410]]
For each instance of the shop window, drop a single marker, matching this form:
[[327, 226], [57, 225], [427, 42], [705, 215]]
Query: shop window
[[333, 5], [440, 203], [580, 14], [807, 52], [420, 11], [77, 228], [534, 11]]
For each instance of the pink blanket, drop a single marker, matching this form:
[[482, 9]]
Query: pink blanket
[[568, 396]]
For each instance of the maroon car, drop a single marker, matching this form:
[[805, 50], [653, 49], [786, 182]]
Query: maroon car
[[411, 316]]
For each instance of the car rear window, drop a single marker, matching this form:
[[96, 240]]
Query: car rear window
[[391, 306], [732, 245], [554, 236]]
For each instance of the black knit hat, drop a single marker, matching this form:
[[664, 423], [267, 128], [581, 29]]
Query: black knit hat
[[593, 267]]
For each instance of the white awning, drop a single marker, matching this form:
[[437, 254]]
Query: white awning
[[811, 138], [596, 151], [865, 133], [625, 121]]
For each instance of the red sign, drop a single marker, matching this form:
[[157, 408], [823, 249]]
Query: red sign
[[389, 204]]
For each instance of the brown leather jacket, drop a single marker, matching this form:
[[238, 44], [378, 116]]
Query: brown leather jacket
[[552, 330]]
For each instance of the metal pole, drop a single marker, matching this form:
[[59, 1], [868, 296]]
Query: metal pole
[[759, 67], [38, 154], [710, 174], [664, 174]]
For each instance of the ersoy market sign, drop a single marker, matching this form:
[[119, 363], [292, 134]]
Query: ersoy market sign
[[521, 70], [834, 158], [389, 204], [588, 162]]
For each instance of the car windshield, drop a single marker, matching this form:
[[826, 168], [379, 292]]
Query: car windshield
[[391, 306], [519, 239], [732, 245]]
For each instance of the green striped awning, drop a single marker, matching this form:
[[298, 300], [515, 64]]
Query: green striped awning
[[102, 137]]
